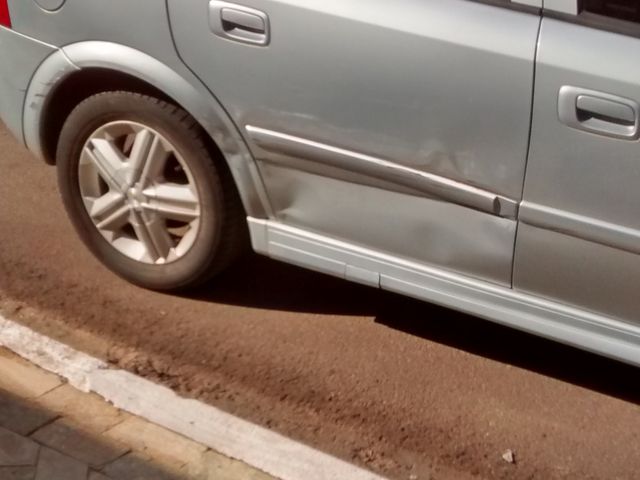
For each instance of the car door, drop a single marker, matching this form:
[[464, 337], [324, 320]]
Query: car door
[[579, 241], [399, 126]]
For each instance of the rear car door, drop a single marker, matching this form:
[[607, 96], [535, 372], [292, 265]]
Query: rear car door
[[579, 242], [400, 126]]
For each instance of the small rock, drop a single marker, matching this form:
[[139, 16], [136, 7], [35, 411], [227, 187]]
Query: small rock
[[413, 476], [509, 456]]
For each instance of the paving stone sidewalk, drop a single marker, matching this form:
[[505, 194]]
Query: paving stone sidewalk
[[51, 431]]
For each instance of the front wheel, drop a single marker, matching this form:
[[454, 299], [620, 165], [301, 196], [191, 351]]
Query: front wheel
[[144, 192]]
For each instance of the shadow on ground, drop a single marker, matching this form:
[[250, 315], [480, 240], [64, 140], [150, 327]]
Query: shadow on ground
[[259, 282]]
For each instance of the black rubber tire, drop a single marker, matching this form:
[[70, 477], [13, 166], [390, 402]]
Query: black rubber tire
[[223, 231]]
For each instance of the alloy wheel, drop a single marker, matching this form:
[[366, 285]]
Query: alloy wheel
[[139, 192]]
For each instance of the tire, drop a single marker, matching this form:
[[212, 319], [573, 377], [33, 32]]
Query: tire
[[191, 226]]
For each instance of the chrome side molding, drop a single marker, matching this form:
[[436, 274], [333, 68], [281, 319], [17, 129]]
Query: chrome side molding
[[579, 226], [426, 183]]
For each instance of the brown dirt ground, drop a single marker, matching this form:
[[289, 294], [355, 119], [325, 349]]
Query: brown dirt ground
[[398, 386]]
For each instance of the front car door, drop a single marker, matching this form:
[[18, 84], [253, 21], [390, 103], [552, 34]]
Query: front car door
[[400, 126], [579, 239]]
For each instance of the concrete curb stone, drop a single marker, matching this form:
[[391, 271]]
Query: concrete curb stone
[[51, 431]]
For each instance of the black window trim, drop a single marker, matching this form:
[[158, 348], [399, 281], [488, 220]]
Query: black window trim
[[594, 20], [511, 5]]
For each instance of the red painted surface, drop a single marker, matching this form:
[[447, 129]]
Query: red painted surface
[[5, 18]]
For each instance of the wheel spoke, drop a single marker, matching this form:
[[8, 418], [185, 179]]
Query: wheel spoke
[[153, 234], [107, 159], [138, 224], [173, 201], [154, 162], [106, 204], [142, 142], [148, 157], [109, 212], [116, 220], [162, 241]]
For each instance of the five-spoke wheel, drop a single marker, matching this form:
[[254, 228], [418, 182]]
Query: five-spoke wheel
[[139, 192], [146, 192]]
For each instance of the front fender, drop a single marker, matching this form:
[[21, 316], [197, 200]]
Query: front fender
[[190, 95]]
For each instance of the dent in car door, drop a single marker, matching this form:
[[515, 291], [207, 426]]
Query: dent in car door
[[579, 242], [401, 126]]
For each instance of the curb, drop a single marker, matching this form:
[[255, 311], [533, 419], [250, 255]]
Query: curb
[[232, 436]]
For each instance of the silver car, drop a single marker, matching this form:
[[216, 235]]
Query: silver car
[[482, 155]]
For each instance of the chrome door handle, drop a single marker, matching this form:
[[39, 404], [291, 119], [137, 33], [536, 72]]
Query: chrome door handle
[[599, 112], [239, 23]]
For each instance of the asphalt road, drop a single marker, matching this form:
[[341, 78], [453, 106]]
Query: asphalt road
[[398, 386]]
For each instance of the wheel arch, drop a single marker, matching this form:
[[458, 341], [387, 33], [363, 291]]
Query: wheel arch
[[80, 70]]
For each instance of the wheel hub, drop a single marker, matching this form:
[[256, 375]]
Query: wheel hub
[[135, 198]]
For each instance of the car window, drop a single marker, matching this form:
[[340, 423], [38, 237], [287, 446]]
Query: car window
[[617, 16], [628, 10]]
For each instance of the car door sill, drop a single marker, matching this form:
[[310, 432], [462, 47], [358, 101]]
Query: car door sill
[[596, 333]]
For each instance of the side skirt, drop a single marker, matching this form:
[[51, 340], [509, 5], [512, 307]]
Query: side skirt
[[589, 331]]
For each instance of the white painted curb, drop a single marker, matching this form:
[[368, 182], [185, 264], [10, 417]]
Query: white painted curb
[[232, 436]]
